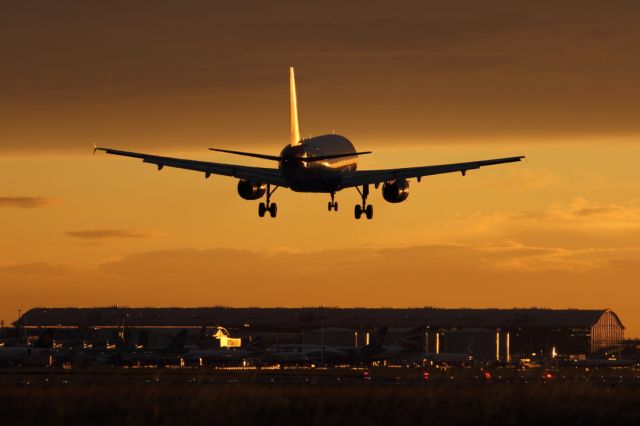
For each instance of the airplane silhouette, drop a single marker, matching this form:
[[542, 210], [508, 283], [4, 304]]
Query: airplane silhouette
[[320, 164]]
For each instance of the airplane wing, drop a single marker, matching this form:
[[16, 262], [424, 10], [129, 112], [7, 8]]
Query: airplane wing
[[256, 174], [367, 177]]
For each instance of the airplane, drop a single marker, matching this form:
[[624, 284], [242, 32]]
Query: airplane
[[319, 164], [311, 353], [222, 350], [409, 347], [38, 354], [449, 358], [167, 355]]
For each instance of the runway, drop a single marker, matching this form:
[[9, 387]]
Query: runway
[[380, 396]]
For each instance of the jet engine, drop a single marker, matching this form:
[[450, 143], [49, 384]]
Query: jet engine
[[395, 191], [251, 190]]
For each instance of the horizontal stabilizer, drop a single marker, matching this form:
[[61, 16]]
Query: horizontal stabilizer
[[278, 158], [249, 154], [330, 157]]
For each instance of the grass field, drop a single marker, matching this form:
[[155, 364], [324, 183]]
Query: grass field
[[188, 398]]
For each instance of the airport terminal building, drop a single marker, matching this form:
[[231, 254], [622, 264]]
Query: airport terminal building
[[485, 333]]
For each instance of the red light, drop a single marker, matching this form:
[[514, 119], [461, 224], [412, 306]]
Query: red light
[[487, 375], [425, 375], [548, 376]]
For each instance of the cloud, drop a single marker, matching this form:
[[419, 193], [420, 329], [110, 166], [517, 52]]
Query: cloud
[[580, 213], [106, 234], [527, 179], [37, 270], [26, 202], [449, 275], [518, 257], [187, 75]]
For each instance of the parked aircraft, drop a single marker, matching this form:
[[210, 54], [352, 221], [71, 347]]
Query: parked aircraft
[[406, 349], [306, 353], [167, 355], [38, 354], [320, 164], [222, 349], [449, 358], [409, 349]]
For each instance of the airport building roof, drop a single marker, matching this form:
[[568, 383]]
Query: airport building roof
[[310, 317]]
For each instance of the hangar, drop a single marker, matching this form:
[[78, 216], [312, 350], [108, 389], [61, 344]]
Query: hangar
[[490, 333]]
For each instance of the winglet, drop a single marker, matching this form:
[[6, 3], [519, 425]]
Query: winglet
[[97, 148], [293, 101]]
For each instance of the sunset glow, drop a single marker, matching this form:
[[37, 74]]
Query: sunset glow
[[448, 85]]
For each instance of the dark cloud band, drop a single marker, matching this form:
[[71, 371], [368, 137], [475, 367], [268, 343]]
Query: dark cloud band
[[26, 202]]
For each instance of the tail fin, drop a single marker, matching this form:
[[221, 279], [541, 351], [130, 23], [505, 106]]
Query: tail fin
[[471, 345], [378, 335], [414, 340], [45, 339], [258, 344], [202, 338], [293, 100], [176, 344]]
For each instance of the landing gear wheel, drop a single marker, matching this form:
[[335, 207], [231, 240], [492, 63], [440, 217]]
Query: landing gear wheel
[[369, 211], [270, 207], [333, 204], [273, 209], [365, 208], [358, 211]]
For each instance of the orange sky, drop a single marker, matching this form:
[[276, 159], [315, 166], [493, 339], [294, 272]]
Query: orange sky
[[417, 84]]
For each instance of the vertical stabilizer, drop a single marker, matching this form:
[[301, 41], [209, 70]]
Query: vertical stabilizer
[[295, 128], [176, 344]]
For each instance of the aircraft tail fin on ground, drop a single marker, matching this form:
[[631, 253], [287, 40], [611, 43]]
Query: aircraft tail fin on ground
[[176, 344], [293, 100], [203, 338], [414, 339], [258, 344], [45, 339], [377, 336]]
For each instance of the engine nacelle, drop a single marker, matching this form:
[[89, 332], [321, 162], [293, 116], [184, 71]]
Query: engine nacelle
[[251, 190], [395, 191]]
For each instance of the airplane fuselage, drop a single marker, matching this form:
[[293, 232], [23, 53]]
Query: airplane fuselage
[[318, 176]]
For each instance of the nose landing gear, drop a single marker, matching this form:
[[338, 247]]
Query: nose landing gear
[[365, 208], [272, 208]]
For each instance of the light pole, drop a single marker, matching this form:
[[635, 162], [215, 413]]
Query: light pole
[[322, 340], [21, 325]]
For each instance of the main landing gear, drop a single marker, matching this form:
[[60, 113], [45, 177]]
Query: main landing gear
[[268, 207], [365, 208], [333, 205]]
